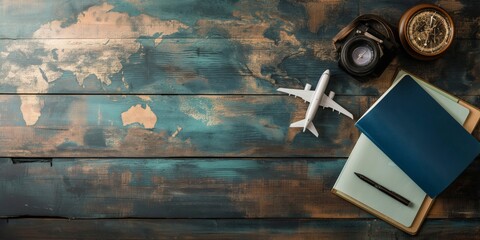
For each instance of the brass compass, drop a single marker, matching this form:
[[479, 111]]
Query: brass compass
[[426, 31]]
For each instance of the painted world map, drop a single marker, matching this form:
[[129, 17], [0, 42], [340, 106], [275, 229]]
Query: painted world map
[[99, 45], [172, 72]]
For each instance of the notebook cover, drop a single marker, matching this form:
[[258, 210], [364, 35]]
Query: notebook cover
[[410, 127]]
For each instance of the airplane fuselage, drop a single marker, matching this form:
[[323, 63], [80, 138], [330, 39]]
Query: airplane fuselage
[[317, 97]]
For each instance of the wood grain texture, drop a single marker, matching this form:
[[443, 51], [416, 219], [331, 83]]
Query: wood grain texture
[[175, 66], [308, 19], [201, 48], [167, 126], [230, 18], [197, 188], [230, 229], [172, 110], [207, 66], [156, 126]]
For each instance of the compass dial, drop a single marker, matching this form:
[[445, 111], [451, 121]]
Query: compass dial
[[362, 55], [426, 31]]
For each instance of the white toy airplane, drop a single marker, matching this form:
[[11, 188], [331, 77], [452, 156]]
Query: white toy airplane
[[316, 98]]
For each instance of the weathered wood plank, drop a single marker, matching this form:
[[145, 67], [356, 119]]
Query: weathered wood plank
[[207, 66], [230, 229], [224, 19], [165, 126], [288, 45], [128, 19], [156, 126], [175, 66], [197, 188]]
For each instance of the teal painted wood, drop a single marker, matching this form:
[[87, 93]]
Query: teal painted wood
[[173, 188], [207, 66], [306, 19], [197, 188], [162, 126], [175, 66], [183, 48], [100, 42], [231, 229], [194, 47], [217, 19]]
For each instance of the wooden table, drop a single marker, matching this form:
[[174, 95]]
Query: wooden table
[[161, 119]]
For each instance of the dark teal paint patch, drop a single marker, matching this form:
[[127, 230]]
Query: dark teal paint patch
[[95, 138], [23, 19], [76, 8], [109, 108], [67, 145], [92, 82], [291, 10], [123, 6], [55, 54], [22, 59], [10, 114], [43, 74], [67, 83], [272, 33], [57, 109], [202, 66], [185, 11], [268, 70], [146, 41], [264, 124], [216, 33]]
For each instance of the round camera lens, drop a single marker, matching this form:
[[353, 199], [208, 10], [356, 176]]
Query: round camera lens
[[360, 56]]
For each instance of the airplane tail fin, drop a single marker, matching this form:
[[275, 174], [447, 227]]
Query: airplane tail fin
[[300, 123], [310, 127]]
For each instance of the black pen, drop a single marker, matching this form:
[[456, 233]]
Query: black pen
[[390, 193]]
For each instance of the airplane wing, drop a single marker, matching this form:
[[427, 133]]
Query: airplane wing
[[305, 94], [328, 102]]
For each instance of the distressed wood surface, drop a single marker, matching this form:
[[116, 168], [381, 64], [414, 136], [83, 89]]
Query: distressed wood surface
[[167, 111], [149, 126], [308, 19], [168, 126], [197, 188], [225, 47], [207, 66], [231, 229]]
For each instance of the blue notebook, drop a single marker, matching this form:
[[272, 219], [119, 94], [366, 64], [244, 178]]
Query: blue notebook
[[416, 133]]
